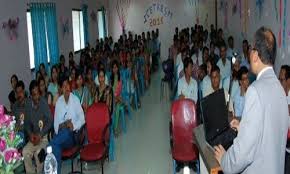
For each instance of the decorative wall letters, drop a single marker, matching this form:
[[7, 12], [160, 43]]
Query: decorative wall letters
[[156, 14]]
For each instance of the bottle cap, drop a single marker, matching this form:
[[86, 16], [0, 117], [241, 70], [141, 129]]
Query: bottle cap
[[49, 149]]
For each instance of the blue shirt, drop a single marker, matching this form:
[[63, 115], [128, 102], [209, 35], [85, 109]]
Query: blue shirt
[[239, 103], [66, 111]]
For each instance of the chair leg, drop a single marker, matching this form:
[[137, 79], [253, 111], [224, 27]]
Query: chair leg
[[72, 165], [81, 166], [161, 90], [135, 100], [123, 120], [129, 110], [174, 167], [198, 167], [102, 163]]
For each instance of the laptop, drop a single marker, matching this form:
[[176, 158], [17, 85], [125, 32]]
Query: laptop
[[215, 119]]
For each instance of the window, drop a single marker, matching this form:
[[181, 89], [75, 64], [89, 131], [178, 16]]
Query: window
[[30, 41], [78, 30], [101, 24]]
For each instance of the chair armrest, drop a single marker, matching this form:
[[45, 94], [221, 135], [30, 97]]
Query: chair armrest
[[170, 134], [105, 131], [50, 134], [82, 135]]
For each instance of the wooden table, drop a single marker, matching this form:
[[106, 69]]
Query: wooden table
[[208, 163]]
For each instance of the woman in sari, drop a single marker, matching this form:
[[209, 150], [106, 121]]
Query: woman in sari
[[82, 92]]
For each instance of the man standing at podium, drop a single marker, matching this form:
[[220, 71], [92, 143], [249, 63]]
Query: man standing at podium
[[262, 132]]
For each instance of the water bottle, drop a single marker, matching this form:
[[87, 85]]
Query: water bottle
[[50, 163]]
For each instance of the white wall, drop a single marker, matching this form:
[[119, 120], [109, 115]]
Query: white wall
[[15, 54], [268, 18], [183, 15]]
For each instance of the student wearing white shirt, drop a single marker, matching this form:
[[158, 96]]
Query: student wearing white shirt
[[231, 50], [239, 97], [187, 86], [69, 118], [224, 64], [245, 55], [215, 85], [234, 78], [206, 83], [180, 59]]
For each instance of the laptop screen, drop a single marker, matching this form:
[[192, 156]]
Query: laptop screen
[[214, 114]]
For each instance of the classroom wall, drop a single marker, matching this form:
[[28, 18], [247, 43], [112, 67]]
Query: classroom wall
[[175, 13], [248, 16], [15, 54]]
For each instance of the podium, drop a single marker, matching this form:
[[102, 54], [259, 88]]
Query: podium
[[208, 163]]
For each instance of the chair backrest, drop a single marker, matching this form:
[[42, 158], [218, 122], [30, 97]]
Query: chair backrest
[[97, 119], [184, 120]]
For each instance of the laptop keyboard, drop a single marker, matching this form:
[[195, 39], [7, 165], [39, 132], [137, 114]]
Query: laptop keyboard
[[226, 139]]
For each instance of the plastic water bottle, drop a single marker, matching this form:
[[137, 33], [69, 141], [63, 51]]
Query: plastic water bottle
[[50, 163]]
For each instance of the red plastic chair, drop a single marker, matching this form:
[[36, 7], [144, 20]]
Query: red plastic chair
[[72, 153], [183, 121], [97, 124]]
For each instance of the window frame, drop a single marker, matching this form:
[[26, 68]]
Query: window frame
[[81, 49]]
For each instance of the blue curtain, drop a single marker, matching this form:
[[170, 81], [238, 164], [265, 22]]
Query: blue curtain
[[104, 21], [52, 34], [86, 23], [43, 19], [39, 37]]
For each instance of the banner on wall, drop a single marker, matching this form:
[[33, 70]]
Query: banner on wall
[[156, 13]]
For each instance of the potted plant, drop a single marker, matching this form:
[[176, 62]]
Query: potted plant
[[9, 155]]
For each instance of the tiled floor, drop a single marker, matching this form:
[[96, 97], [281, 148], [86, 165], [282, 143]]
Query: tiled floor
[[145, 148]]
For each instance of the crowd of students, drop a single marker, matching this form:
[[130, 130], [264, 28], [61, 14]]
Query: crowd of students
[[204, 63], [58, 100]]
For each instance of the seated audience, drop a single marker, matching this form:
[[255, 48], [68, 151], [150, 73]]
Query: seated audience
[[103, 91], [82, 92], [63, 70], [42, 88], [53, 85], [231, 50], [224, 64], [101, 66], [205, 55], [18, 110], [69, 118], [282, 78], [233, 78], [206, 87], [212, 53], [245, 55], [239, 97], [116, 84], [12, 94], [215, 83], [71, 62], [72, 78], [187, 86], [90, 84], [43, 73], [37, 125]]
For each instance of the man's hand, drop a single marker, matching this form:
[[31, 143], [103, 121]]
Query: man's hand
[[70, 125], [235, 124], [219, 153], [181, 96]]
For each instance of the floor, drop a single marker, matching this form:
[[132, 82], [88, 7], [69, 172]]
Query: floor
[[145, 148]]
